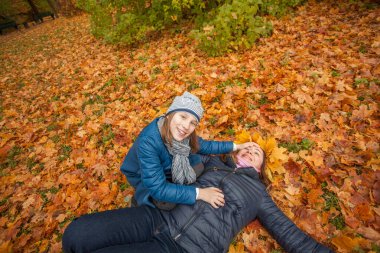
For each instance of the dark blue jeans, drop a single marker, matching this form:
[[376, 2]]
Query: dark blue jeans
[[136, 229]]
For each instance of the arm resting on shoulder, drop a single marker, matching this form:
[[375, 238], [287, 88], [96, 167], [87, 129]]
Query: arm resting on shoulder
[[214, 147]]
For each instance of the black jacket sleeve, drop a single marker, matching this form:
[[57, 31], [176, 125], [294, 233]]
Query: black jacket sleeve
[[286, 233]]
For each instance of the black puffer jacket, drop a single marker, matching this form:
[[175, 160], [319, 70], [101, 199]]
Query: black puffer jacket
[[201, 228]]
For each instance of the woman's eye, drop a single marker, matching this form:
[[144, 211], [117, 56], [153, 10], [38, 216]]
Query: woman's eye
[[194, 124]]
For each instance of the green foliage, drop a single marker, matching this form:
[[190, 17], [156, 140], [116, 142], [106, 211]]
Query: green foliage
[[235, 26], [64, 152], [263, 100], [221, 26], [338, 221], [359, 81], [335, 73], [107, 135], [296, 147], [230, 131], [12, 9], [11, 160], [332, 201], [278, 7], [94, 99], [376, 248]]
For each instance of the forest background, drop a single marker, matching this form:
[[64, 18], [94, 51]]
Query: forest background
[[75, 93]]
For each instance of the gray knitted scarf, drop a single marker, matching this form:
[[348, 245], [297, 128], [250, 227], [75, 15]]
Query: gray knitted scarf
[[182, 172]]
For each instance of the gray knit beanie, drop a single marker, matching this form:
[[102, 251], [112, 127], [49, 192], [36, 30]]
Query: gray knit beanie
[[188, 103]]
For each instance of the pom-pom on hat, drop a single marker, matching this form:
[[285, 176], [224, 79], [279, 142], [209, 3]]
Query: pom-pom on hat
[[189, 103]]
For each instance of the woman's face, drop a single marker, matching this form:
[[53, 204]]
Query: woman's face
[[252, 156], [182, 125]]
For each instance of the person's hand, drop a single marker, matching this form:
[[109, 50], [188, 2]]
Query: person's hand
[[246, 145], [212, 195]]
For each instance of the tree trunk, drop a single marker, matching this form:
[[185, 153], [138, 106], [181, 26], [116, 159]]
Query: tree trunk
[[33, 6], [53, 7]]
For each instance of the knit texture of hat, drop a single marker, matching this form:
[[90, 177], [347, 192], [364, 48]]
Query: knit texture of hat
[[189, 103]]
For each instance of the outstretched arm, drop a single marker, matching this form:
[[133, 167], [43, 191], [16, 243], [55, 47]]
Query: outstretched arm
[[286, 233]]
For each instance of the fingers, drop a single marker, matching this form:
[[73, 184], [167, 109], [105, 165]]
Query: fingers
[[217, 197], [217, 203], [247, 145], [212, 195]]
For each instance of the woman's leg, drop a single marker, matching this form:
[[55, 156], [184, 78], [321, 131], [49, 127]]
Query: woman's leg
[[161, 242], [110, 228]]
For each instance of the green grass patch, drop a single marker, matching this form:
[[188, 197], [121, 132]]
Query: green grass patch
[[93, 99], [263, 100], [335, 73], [213, 120], [338, 221], [56, 138], [11, 160], [359, 81], [296, 147], [107, 135], [64, 152]]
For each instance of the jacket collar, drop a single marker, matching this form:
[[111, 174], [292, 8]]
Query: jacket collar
[[229, 165]]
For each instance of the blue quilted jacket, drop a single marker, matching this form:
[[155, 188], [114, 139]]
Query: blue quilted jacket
[[201, 228], [147, 167]]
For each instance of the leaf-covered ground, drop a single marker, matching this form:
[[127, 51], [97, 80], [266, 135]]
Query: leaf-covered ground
[[71, 106]]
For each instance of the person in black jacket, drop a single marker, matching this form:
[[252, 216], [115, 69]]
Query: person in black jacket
[[198, 227]]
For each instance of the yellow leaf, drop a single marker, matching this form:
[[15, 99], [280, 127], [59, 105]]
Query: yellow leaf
[[208, 28], [43, 139], [238, 248], [232, 249], [6, 247], [42, 245], [4, 138], [315, 158], [214, 75], [269, 175], [278, 153], [243, 137], [270, 144], [292, 190], [161, 111], [256, 136], [261, 143], [276, 167], [61, 217], [222, 120], [345, 243]]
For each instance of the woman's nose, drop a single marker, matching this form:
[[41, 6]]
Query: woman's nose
[[186, 125]]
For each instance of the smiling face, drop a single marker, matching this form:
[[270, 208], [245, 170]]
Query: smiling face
[[252, 156], [182, 125]]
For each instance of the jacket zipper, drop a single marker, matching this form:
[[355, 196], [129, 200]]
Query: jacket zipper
[[189, 222], [195, 215]]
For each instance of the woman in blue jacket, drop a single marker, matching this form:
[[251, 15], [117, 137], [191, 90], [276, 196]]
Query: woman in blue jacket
[[194, 228], [164, 160]]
